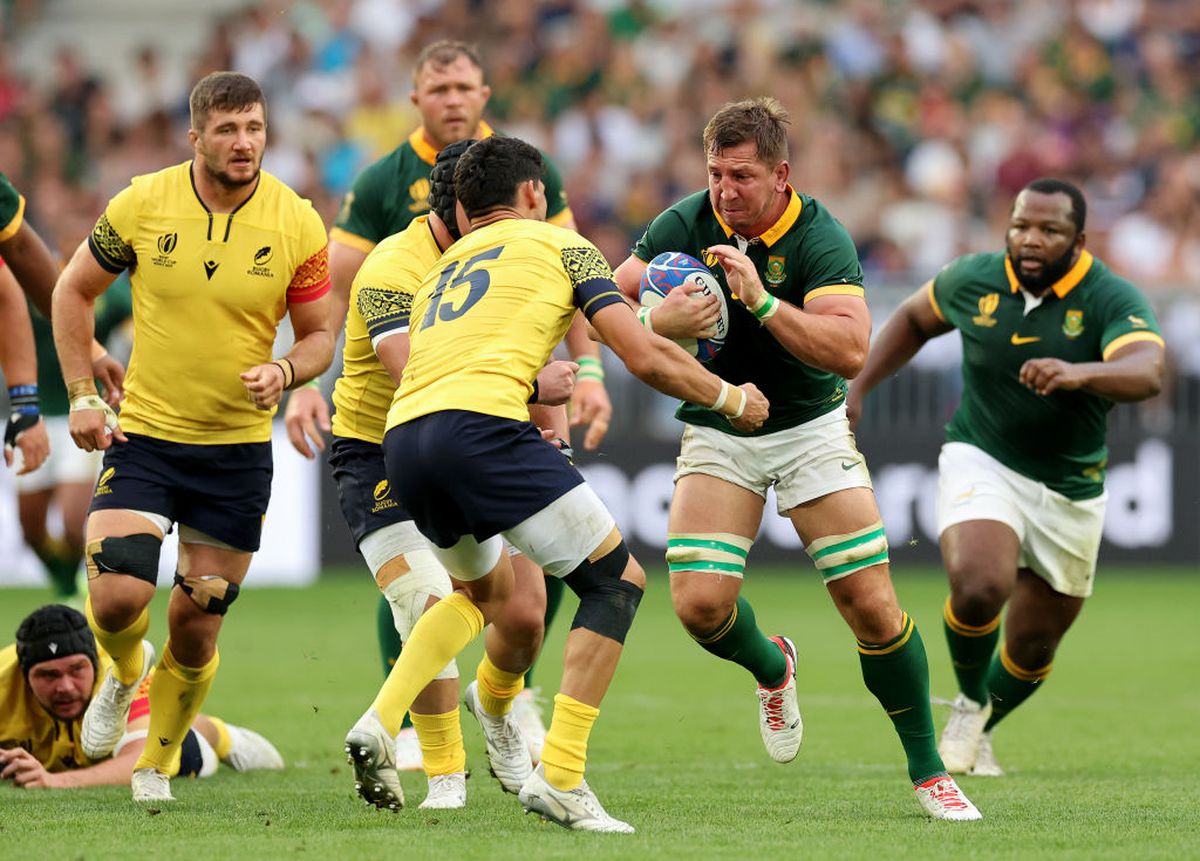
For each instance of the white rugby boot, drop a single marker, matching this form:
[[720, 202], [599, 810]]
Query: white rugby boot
[[507, 750], [108, 712], [959, 744], [528, 709], [408, 750], [985, 761], [577, 809], [779, 713], [942, 799], [372, 752], [249, 751], [446, 792], [150, 785]]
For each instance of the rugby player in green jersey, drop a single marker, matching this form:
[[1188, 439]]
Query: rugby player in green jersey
[[1051, 339], [450, 93], [798, 327]]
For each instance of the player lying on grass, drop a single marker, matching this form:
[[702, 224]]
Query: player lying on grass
[[47, 679]]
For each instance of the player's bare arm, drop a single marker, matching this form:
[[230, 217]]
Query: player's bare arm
[[24, 770], [556, 383], [31, 261], [83, 280], [902, 336], [310, 355], [18, 361], [831, 332], [1132, 373], [590, 404], [680, 314], [665, 366]]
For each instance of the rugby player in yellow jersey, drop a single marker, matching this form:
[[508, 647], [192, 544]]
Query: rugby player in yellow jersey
[[465, 460], [218, 251], [398, 556], [46, 681]]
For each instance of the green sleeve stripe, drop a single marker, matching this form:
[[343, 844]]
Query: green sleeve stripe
[[699, 565], [847, 545], [857, 565], [714, 545]]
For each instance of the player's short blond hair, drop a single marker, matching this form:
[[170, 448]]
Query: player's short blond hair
[[761, 119], [223, 91], [443, 53]]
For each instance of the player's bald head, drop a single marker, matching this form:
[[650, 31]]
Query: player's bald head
[[223, 91]]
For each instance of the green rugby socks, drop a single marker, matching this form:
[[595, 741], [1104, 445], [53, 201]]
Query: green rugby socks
[[897, 673], [739, 640], [1010, 685], [971, 649], [554, 596]]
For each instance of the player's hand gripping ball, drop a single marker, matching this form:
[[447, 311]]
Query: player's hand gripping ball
[[671, 269]]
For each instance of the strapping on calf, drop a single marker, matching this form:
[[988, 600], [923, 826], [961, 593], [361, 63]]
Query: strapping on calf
[[211, 592], [715, 552], [607, 603], [135, 555], [838, 556]]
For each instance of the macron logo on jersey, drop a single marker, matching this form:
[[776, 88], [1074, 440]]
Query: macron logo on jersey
[[210, 266]]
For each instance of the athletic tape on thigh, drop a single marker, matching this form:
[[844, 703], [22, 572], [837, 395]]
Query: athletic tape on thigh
[[135, 555], [564, 533], [211, 592], [469, 559], [607, 603], [407, 595], [841, 555], [718, 552], [380, 546]]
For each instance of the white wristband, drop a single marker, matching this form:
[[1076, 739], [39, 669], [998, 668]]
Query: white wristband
[[643, 315], [721, 398]]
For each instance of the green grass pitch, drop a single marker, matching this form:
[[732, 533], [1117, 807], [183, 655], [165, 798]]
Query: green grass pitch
[[1102, 764]]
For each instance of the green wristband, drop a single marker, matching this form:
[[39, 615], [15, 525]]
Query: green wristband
[[766, 307], [590, 369]]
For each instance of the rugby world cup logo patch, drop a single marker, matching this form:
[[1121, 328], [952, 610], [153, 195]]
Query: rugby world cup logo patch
[[987, 307], [419, 192], [167, 243]]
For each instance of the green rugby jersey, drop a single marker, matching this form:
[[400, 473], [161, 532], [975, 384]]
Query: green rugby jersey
[[805, 254], [393, 191], [12, 209], [1089, 314], [113, 307]]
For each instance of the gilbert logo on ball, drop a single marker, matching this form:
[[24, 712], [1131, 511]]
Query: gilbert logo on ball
[[671, 269]]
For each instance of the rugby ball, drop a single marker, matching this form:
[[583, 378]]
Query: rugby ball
[[666, 272]]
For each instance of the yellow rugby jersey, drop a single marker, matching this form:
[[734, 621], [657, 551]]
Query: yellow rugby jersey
[[380, 301], [209, 290], [489, 313], [24, 723]]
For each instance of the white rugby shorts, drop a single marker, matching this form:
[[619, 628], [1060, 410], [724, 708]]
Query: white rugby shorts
[[1059, 537]]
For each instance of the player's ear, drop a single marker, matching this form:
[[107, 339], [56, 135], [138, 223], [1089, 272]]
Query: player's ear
[[782, 171], [486, 91], [193, 137]]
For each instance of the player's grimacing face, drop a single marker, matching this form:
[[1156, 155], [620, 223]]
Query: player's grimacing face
[[743, 189], [63, 686], [451, 99], [1041, 241], [230, 146]]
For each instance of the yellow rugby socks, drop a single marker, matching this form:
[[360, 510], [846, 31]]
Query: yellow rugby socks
[[497, 688], [442, 750], [1010, 685], [224, 740], [565, 753], [971, 649], [124, 646], [176, 694], [439, 635]]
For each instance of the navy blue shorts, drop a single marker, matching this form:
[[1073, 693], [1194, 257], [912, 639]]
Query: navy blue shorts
[[191, 760], [220, 490], [364, 494], [462, 473]]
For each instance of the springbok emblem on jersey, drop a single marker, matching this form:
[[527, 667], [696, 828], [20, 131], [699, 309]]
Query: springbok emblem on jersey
[[987, 307], [1072, 325]]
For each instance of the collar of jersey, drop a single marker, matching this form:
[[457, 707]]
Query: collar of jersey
[[1063, 285], [427, 153], [772, 234]]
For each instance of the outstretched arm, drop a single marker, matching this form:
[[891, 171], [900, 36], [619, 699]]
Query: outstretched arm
[[1132, 373]]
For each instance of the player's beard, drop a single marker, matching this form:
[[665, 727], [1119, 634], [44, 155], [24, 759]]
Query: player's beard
[[1052, 271], [225, 180]]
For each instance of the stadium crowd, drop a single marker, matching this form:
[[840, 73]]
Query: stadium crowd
[[919, 120]]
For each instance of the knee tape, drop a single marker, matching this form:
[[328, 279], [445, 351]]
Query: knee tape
[[211, 592], [716, 552], [135, 555], [408, 593], [838, 556], [607, 603]]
